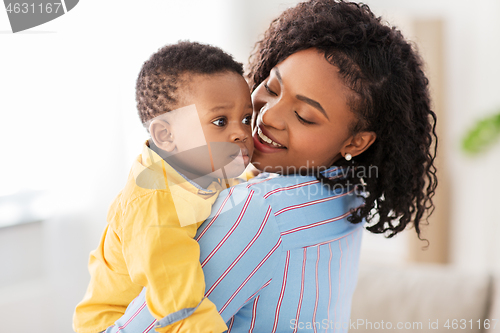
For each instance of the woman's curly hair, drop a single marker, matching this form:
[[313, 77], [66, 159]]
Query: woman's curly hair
[[389, 96]]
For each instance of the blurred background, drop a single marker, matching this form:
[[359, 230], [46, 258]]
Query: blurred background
[[69, 133]]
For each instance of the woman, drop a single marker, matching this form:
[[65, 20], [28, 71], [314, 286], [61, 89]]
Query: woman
[[340, 104]]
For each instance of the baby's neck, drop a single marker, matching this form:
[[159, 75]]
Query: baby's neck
[[202, 181]]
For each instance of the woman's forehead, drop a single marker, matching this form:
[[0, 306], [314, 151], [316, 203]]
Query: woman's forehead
[[308, 75]]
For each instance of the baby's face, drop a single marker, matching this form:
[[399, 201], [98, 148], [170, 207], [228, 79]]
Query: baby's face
[[224, 108]]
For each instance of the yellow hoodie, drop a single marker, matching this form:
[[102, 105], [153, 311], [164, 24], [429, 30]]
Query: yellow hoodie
[[148, 242]]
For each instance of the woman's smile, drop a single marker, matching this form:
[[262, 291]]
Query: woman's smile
[[266, 139], [265, 142]]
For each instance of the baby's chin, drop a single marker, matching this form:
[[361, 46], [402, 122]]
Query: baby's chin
[[231, 170]]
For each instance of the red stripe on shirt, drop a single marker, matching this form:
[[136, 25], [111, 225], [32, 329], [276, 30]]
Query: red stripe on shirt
[[255, 293], [254, 314], [230, 325], [333, 240], [347, 254], [310, 203], [332, 171], [329, 282], [347, 245], [317, 293], [301, 290], [265, 180], [150, 327], [340, 270], [216, 215], [128, 321], [238, 220], [349, 265], [290, 188], [282, 293], [245, 250], [250, 275], [316, 224]]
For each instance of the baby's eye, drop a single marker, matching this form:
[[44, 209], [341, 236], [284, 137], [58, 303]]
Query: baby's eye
[[247, 120], [220, 122]]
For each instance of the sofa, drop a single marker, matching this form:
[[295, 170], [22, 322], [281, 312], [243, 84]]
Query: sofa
[[425, 298]]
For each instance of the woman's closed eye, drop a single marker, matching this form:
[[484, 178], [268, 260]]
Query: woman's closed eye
[[269, 90], [302, 120], [220, 122]]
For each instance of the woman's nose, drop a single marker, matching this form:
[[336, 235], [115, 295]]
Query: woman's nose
[[272, 117]]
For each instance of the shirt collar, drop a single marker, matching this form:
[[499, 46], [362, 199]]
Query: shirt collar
[[151, 162], [335, 172]]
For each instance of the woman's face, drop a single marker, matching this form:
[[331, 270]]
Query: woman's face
[[301, 117]]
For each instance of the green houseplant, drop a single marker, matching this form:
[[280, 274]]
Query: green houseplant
[[482, 135]]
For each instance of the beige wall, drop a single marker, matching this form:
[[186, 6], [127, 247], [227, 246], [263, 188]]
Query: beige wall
[[429, 36]]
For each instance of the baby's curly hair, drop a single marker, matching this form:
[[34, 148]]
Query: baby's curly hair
[[389, 96], [162, 80]]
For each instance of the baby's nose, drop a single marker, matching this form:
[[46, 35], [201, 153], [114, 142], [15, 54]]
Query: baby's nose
[[239, 134]]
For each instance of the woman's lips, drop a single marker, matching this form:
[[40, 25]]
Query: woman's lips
[[265, 137], [263, 142]]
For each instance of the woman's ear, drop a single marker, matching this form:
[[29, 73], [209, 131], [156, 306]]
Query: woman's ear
[[161, 133], [358, 143]]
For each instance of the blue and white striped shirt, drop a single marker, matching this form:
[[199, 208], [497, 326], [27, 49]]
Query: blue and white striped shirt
[[278, 255]]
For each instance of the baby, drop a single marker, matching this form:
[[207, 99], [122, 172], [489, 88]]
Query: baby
[[196, 105]]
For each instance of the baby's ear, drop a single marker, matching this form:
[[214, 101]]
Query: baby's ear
[[161, 133]]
